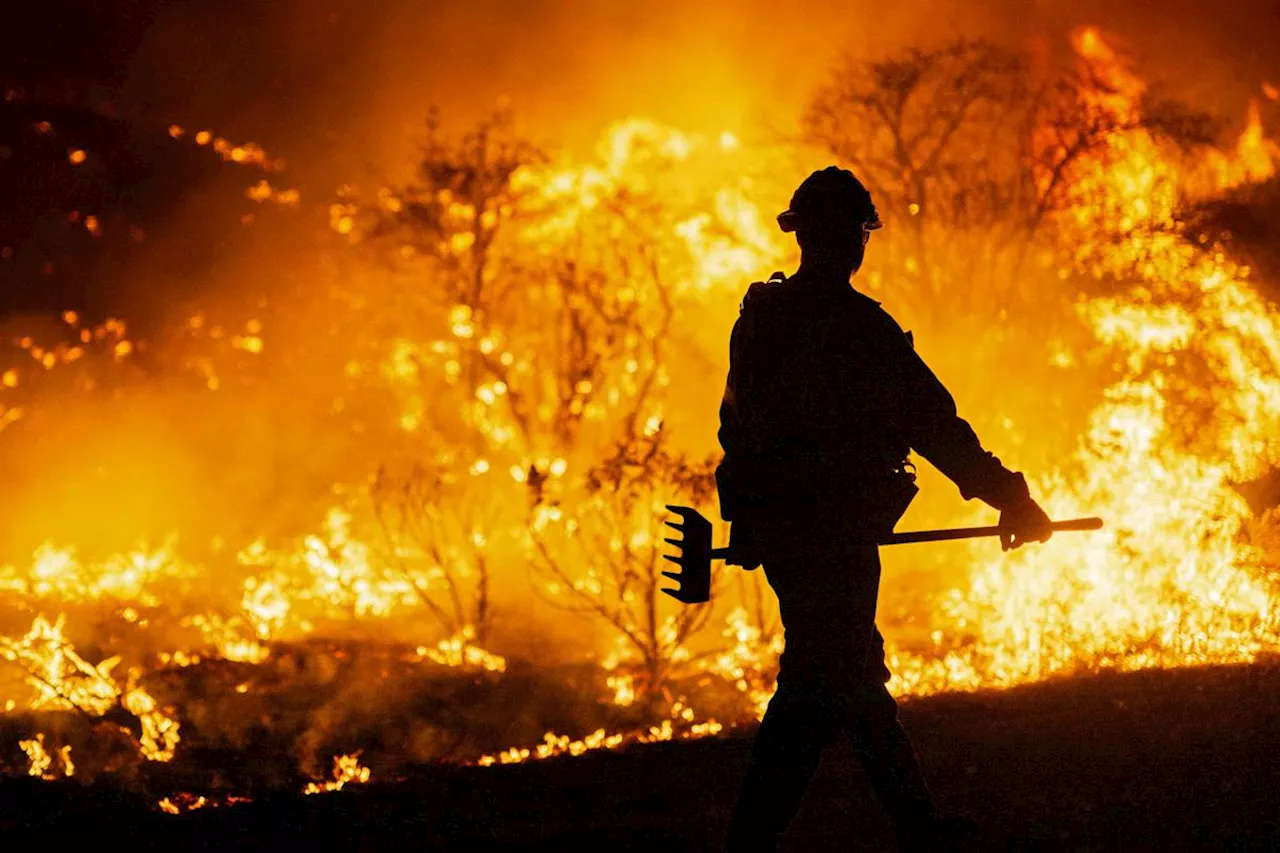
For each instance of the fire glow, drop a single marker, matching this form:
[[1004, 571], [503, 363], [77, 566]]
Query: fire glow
[[546, 454]]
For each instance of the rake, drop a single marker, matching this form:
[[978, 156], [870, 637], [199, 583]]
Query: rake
[[693, 581]]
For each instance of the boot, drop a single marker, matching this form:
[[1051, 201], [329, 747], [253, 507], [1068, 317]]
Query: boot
[[940, 835]]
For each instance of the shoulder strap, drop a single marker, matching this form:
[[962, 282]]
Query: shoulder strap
[[760, 289]]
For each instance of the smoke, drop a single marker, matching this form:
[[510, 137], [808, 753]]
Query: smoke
[[335, 83]]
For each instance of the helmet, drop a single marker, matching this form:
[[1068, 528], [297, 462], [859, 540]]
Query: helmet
[[831, 194]]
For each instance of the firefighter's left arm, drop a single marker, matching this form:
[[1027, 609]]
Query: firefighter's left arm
[[730, 433], [734, 474], [925, 412]]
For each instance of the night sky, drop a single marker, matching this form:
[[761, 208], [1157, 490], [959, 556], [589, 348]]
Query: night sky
[[338, 83]]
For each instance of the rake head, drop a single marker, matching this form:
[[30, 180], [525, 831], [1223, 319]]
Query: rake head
[[693, 581]]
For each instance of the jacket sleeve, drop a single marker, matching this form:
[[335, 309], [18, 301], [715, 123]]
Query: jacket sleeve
[[925, 413]]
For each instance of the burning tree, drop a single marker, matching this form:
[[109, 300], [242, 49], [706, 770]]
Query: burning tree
[[562, 287], [615, 532], [1112, 210], [972, 150], [445, 226]]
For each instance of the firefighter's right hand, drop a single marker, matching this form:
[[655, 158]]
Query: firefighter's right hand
[[1024, 522], [743, 549]]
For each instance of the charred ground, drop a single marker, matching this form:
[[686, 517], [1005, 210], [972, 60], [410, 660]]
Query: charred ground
[[1154, 760]]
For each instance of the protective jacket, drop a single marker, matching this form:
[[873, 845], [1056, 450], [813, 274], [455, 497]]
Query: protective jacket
[[825, 397]]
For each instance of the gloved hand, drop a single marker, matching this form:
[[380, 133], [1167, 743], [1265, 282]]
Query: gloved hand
[[744, 550], [1023, 522]]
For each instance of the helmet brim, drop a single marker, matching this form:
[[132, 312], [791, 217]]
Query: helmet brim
[[789, 220]]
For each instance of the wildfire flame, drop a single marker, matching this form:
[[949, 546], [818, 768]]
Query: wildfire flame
[[504, 422], [62, 679], [347, 770], [40, 760]]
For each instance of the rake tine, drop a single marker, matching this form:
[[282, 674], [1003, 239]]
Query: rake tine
[[694, 578]]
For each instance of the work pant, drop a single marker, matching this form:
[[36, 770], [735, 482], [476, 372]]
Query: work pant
[[832, 679]]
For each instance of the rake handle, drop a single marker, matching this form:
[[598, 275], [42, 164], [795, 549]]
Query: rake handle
[[945, 534], [949, 533]]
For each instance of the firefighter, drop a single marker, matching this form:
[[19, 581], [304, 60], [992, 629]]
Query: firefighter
[[825, 398]]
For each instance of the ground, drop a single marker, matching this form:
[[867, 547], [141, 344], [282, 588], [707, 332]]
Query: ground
[[1160, 760]]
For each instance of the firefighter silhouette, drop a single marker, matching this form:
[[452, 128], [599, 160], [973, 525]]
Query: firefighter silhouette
[[825, 398]]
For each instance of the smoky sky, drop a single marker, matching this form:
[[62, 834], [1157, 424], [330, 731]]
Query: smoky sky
[[344, 84]]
